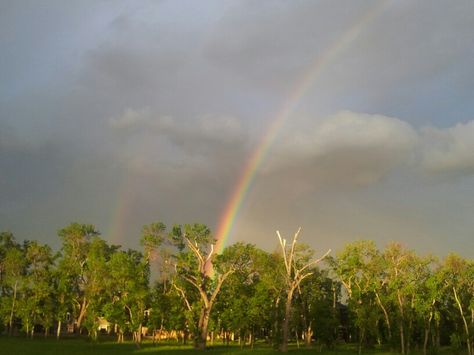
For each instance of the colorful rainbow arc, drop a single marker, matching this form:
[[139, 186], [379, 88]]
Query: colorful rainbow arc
[[241, 190]]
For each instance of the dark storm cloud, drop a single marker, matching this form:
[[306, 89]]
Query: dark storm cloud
[[156, 107]]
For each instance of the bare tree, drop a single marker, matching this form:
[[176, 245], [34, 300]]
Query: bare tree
[[298, 265]]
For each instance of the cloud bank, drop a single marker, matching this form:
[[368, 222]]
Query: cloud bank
[[127, 114]]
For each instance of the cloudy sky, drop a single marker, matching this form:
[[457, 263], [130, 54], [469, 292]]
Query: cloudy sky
[[122, 113]]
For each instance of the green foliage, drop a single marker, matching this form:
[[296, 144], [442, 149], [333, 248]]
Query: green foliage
[[391, 297]]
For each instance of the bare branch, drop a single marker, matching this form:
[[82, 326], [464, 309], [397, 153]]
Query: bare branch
[[210, 253], [314, 262], [292, 251], [195, 249], [219, 285], [294, 276], [283, 249], [183, 295]]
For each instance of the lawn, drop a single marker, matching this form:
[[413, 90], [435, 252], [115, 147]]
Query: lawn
[[41, 346]]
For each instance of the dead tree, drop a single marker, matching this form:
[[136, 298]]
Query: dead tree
[[297, 268]]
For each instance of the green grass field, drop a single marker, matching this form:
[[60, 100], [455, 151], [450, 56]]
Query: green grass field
[[41, 346]]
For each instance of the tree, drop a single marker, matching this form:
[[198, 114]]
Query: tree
[[359, 269], [269, 293], [240, 308], [429, 291], [76, 240], [406, 271], [94, 288], [198, 273], [297, 261], [128, 293], [12, 272], [458, 276], [193, 265], [37, 304], [316, 302], [168, 313]]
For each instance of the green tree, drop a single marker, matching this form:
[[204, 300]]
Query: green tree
[[37, 305], [194, 266], [12, 273], [316, 303], [238, 308], [128, 293], [406, 272], [95, 289], [168, 313], [458, 276], [76, 239], [358, 267]]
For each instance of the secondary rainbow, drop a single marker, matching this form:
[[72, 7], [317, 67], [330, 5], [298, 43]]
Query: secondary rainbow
[[229, 215], [120, 216]]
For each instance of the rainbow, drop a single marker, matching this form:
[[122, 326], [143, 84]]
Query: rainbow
[[243, 185], [116, 230]]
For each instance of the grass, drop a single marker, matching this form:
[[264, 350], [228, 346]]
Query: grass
[[73, 346]]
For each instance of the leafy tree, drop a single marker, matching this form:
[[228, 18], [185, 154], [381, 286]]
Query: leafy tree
[[458, 276], [12, 272], [168, 313], [429, 292], [128, 293], [37, 304], [357, 267], [95, 271], [239, 309], [406, 271], [194, 265], [316, 304], [76, 239]]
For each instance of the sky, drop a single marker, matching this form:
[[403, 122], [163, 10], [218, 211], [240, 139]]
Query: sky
[[123, 113]]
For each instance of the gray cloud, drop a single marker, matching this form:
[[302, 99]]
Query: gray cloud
[[204, 144], [449, 150], [154, 108], [346, 148]]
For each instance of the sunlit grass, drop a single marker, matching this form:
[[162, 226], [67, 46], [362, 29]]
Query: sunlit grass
[[72, 346]]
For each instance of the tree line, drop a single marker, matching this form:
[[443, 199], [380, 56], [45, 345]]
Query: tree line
[[177, 285]]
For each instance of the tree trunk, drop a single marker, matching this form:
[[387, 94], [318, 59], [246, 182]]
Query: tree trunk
[[361, 339], [201, 340], [427, 333], [82, 314], [286, 320], [472, 327], [138, 336], [402, 338], [58, 330], [12, 311], [425, 341], [402, 318], [385, 313], [466, 327], [120, 336], [308, 335], [438, 335], [408, 337]]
